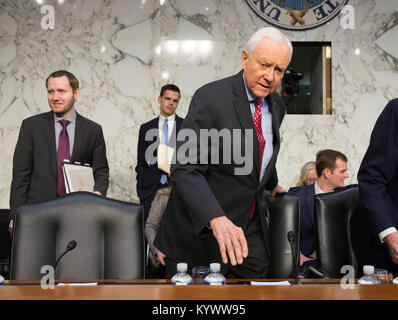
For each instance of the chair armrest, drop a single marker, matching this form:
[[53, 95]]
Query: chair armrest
[[318, 272]]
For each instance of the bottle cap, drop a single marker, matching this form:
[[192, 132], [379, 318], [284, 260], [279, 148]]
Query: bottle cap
[[182, 267], [368, 270], [215, 267]]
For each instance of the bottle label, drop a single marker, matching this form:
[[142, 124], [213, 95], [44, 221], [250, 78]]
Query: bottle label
[[218, 283], [181, 283]]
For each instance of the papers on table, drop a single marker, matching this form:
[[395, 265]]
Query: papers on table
[[270, 283], [77, 177], [78, 284], [165, 156]]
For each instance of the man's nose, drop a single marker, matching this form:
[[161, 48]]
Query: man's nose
[[269, 74]]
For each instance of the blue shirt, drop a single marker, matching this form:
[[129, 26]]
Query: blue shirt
[[70, 128], [266, 127]]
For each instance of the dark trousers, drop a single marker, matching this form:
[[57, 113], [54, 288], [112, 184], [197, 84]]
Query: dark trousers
[[155, 273], [255, 265]]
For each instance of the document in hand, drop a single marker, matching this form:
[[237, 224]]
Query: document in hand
[[77, 177], [165, 156]]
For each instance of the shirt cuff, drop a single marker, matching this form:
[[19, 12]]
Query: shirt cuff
[[386, 233]]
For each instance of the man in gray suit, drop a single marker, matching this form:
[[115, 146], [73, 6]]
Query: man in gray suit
[[215, 214], [46, 139]]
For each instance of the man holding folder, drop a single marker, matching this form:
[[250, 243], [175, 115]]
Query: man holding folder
[[150, 176], [47, 139]]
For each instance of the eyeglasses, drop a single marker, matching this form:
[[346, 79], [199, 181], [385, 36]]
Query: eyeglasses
[[310, 180]]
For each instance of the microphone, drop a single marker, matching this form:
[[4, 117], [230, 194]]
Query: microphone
[[71, 245], [291, 237]]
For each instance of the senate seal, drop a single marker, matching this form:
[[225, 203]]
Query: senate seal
[[297, 14]]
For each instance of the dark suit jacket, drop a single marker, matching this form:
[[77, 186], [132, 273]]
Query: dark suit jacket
[[35, 159], [148, 175], [307, 236], [202, 192], [378, 182]]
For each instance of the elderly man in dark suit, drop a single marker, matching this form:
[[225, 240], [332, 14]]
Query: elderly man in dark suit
[[166, 126], [216, 211], [376, 219], [46, 139]]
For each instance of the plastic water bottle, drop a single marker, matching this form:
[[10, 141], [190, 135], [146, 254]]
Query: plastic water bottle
[[1, 280], [181, 277], [368, 276], [215, 277]]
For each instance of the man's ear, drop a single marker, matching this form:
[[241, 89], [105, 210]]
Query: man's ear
[[159, 98], [76, 93], [245, 56], [327, 172]]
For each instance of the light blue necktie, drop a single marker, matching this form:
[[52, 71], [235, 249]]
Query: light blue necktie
[[165, 132], [165, 129]]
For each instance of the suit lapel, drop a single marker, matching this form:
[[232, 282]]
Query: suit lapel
[[275, 120], [49, 134], [153, 124], [275, 131], [173, 136], [242, 109], [80, 131]]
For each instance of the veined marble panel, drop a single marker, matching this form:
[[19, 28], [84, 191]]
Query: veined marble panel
[[123, 51]]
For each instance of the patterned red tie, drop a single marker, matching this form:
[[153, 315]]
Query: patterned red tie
[[260, 137], [63, 153]]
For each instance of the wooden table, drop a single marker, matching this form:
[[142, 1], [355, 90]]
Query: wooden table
[[162, 290]]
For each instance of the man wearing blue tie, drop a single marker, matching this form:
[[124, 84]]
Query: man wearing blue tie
[[149, 177]]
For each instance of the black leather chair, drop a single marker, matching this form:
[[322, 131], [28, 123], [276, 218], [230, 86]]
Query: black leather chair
[[5, 243], [284, 216], [109, 236], [333, 212]]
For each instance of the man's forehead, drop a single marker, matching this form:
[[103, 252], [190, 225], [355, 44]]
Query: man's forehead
[[272, 48], [58, 81], [170, 93], [340, 162]]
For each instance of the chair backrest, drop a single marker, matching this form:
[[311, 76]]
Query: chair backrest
[[5, 239], [284, 216], [333, 213], [5, 243], [109, 236]]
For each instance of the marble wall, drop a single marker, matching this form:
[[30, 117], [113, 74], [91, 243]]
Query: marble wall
[[123, 51]]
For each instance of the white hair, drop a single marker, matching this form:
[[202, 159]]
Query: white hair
[[268, 32]]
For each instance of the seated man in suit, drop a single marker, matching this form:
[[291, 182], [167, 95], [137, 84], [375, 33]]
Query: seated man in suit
[[376, 220], [46, 139], [149, 177], [331, 168]]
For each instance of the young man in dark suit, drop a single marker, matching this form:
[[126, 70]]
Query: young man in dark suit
[[375, 222], [216, 213], [46, 139], [331, 168], [166, 126]]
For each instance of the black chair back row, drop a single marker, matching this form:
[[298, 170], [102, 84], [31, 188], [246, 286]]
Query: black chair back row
[[109, 236], [5, 243], [110, 239], [333, 212], [284, 217]]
